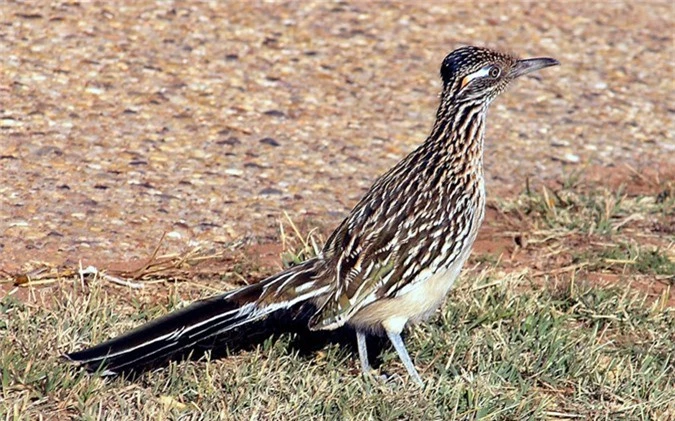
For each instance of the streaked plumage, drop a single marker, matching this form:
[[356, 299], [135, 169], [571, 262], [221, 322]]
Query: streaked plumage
[[391, 262]]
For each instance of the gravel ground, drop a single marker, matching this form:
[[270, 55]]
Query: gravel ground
[[119, 122]]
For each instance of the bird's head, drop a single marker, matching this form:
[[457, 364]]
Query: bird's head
[[479, 74]]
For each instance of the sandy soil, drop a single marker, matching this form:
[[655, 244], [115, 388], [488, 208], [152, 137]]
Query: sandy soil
[[208, 121]]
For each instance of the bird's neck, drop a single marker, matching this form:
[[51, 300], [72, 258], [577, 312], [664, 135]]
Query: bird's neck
[[457, 137]]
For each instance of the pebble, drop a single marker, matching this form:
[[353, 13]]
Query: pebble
[[274, 113], [94, 90], [229, 141], [270, 191], [568, 158], [571, 158], [269, 141], [234, 171], [10, 122]]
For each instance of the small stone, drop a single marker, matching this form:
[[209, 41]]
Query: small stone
[[9, 122], [269, 141], [48, 150], [229, 141], [572, 158], [94, 90], [234, 171], [270, 191], [274, 113], [568, 158], [556, 143]]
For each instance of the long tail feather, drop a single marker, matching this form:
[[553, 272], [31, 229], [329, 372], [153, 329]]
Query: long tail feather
[[214, 317]]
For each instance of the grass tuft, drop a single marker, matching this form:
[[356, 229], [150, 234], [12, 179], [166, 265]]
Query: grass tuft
[[495, 353]]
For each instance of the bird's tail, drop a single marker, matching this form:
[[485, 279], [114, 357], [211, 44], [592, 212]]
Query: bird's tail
[[213, 317]]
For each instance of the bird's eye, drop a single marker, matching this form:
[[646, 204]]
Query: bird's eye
[[494, 72]]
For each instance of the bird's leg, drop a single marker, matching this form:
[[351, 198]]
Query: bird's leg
[[395, 338], [363, 352]]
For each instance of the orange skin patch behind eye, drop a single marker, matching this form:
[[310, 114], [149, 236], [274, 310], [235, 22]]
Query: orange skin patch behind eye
[[485, 71]]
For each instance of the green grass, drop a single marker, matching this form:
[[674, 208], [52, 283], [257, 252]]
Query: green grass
[[627, 257], [574, 208], [500, 349], [508, 344], [601, 229]]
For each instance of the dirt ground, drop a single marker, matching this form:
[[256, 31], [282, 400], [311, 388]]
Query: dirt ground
[[207, 121]]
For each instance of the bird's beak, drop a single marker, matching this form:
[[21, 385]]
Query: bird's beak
[[526, 66]]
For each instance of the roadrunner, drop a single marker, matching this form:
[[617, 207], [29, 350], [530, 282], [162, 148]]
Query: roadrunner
[[390, 263]]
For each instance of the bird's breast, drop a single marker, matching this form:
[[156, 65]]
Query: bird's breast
[[425, 291]]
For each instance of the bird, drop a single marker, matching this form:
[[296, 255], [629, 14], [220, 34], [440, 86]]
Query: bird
[[389, 264]]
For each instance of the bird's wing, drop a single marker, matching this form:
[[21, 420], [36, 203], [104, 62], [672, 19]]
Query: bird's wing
[[370, 254], [379, 251], [359, 270]]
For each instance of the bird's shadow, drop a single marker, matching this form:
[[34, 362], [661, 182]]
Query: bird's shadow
[[293, 322]]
